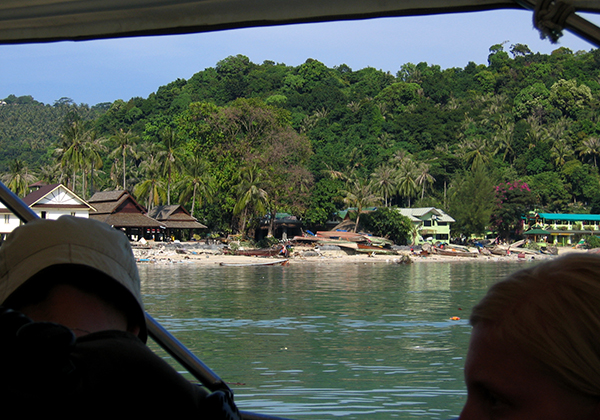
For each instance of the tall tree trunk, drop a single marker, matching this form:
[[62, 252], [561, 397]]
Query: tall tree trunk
[[445, 203], [92, 181], [271, 224], [356, 223], [124, 186], [169, 187], [242, 225], [83, 179], [194, 199]]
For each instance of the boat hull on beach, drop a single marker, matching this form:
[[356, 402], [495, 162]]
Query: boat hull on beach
[[256, 264]]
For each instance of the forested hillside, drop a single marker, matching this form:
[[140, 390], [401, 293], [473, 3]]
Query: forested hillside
[[30, 130], [484, 142]]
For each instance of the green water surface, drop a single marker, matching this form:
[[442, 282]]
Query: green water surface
[[322, 341]]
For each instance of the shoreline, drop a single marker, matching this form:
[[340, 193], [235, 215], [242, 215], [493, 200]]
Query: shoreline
[[189, 253]]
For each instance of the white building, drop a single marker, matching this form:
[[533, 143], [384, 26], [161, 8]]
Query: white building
[[49, 202]]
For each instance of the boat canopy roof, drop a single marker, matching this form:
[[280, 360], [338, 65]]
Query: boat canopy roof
[[571, 217], [25, 21]]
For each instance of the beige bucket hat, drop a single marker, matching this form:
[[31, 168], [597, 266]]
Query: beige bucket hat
[[69, 240]]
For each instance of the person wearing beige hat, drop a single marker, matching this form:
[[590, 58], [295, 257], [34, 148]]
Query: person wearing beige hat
[[77, 272], [73, 330]]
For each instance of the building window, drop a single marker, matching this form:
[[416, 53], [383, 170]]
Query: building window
[[426, 222], [72, 213], [43, 215], [7, 218]]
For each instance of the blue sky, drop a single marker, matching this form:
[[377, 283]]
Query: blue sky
[[103, 71]]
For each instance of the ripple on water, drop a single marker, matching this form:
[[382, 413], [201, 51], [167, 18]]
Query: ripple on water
[[360, 342]]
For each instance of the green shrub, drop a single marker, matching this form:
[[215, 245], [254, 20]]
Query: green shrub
[[267, 242], [533, 246], [592, 242], [388, 223]]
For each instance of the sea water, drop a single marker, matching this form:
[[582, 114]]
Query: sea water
[[322, 340]]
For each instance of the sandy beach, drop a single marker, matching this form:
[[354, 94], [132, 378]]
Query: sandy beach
[[192, 253]]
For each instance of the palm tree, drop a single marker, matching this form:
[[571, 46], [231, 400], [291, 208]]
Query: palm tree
[[196, 182], [92, 158], [504, 140], [359, 194], [407, 179], [414, 232], [334, 174], [494, 109], [386, 140], [385, 181], [70, 152], [169, 156], [152, 187], [124, 143], [50, 173], [561, 151], [590, 146], [466, 126], [252, 198], [476, 151], [401, 156], [19, 178], [538, 133], [424, 178], [559, 129]]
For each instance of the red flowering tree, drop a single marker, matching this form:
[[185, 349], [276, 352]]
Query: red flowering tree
[[512, 201]]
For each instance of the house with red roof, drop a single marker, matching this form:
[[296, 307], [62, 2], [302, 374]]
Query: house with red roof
[[49, 202]]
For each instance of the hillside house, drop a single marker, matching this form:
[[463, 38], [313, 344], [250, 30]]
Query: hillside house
[[432, 224]]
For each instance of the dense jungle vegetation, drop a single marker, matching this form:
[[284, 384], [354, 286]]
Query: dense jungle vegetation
[[485, 143]]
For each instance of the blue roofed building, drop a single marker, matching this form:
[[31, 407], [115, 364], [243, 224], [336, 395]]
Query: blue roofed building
[[564, 228]]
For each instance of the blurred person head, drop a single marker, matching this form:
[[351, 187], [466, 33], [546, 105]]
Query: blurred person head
[[535, 347], [74, 271]]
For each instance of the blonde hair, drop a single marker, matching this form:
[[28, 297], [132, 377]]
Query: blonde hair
[[552, 312]]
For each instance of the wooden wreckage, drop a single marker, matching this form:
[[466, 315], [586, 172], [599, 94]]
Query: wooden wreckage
[[275, 251], [492, 249], [364, 243], [348, 241]]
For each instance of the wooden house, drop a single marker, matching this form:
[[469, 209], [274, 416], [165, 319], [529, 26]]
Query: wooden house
[[120, 210], [285, 226], [178, 222]]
